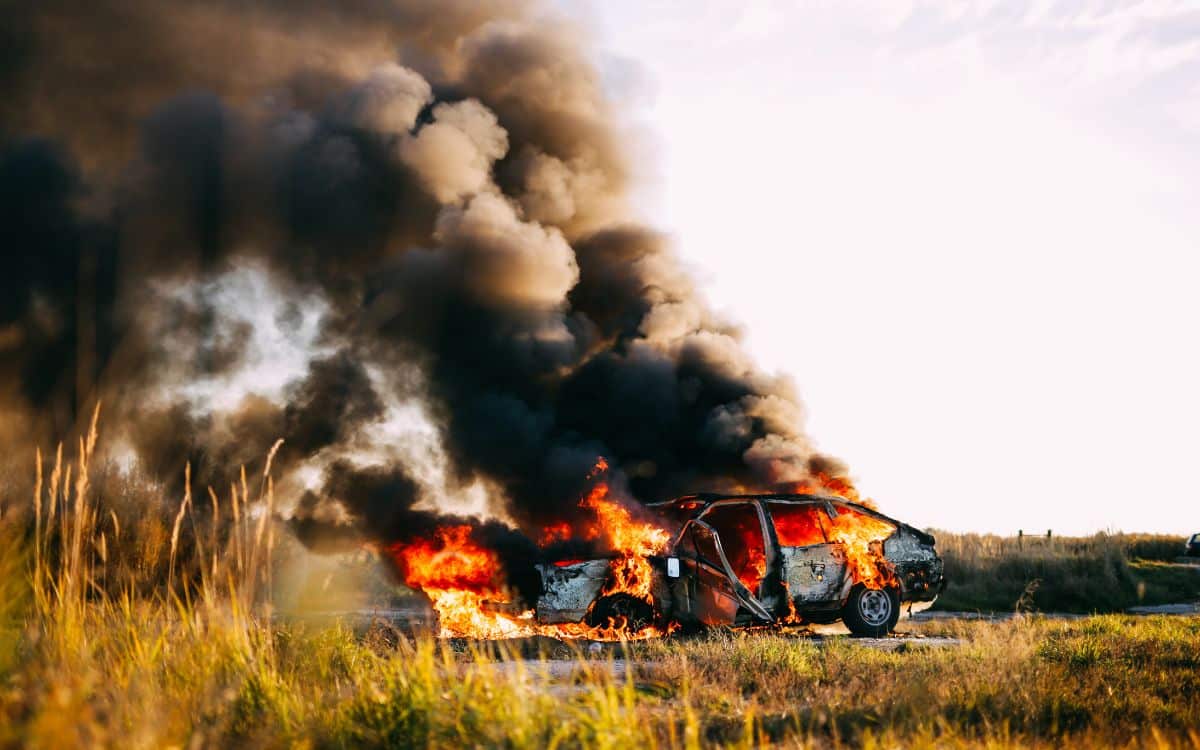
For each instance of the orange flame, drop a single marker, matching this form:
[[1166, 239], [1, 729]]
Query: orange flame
[[861, 535], [841, 486], [462, 580], [554, 532], [862, 538], [459, 577], [632, 540], [449, 561]]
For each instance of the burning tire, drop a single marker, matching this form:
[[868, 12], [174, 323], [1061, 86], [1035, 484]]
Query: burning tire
[[625, 611], [871, 613]]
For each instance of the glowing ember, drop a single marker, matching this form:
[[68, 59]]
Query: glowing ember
[[555, 532]]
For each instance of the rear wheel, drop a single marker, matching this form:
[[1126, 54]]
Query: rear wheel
[[871, 613], [617, 609]]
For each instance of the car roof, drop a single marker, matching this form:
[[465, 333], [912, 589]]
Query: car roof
[[697, 503], [704, 499]]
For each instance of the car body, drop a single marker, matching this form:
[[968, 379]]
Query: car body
[[1192, 547], [740, 560]]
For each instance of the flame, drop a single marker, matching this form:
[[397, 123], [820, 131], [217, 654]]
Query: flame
[[862, 538], [861, 535], [459, 577], [841, 486], [755, 569], [633, 541], [554, 532], [748, 556], [465, 584], [799, 525], [793, 617], [449, 561], [463, 579]]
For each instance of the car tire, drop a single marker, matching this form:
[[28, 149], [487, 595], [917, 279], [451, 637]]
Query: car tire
[[871, 613], [637, 613]]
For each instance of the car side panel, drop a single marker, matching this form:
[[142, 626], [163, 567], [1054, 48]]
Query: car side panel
[[814, 574], [715, 600], [569, 590], [917, 565]]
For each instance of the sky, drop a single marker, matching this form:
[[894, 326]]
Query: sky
[[967, 231]]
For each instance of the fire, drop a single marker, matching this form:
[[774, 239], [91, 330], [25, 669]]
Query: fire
[[755, 570], [465, 583], [555, 532], [862, 538], [840, 486], [459, 577], [799, 526], [861, 535], [463, 579], [633, 541], [449, 561]]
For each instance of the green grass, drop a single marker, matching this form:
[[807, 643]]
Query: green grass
[[1102, 573], [1167, 582]]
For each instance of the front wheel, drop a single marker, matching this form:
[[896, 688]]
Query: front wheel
[[871, 613]]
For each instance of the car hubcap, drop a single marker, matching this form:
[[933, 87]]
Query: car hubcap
[[875, 607]]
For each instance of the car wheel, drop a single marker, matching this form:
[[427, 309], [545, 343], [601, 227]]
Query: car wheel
[[871, 613], [620, 608]]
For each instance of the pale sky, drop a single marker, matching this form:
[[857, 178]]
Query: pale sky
[[967, 230]]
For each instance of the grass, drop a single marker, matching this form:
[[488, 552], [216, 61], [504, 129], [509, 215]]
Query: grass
[[99, 648], [1101, 573]]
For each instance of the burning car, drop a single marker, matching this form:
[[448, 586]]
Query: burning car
[[740, 560]]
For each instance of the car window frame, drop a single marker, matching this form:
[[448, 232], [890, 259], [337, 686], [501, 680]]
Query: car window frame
[[825, 525], [762, 521], [748, 598]]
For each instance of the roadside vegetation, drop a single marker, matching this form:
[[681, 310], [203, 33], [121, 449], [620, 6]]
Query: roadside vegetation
[[128, 630], [1101, 573]]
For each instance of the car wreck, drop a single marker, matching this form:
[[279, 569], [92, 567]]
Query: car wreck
[[745, 560]]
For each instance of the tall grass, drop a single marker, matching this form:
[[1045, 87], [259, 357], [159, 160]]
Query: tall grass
[[101, 648], [106, 649], [1100, 573]]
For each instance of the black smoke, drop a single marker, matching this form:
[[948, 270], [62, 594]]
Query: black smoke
[[445, 178]]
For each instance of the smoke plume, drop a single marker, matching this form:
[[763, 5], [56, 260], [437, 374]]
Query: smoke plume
[[235, 222]]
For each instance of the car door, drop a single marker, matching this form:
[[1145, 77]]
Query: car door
[[814, 570], [708, 590]]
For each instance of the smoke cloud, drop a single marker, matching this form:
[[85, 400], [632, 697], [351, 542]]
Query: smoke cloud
[[237, 222]]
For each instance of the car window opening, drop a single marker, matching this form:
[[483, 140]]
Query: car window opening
[[742, 539], [799, 525]]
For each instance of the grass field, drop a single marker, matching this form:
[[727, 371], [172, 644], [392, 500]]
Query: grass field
[[119, 632], [153, 676], [1101, 573]]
